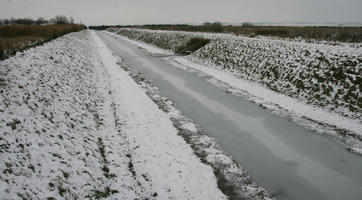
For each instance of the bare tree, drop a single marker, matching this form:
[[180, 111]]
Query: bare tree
[[6, 22], [217, 24], [61, 19], [41, 21], [71, 20], [246, 24], [206, 24], [217, 27]]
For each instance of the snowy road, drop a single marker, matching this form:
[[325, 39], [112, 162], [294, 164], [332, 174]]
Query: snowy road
[[289, 161]]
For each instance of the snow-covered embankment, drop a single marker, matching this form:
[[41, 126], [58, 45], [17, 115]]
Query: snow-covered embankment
[[75, 125]]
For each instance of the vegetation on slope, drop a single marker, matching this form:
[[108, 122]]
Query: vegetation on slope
[[17, 37]]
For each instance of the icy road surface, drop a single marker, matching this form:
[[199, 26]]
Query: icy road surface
[[291, 162]]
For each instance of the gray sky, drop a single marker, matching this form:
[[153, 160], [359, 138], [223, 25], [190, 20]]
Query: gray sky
[[94, 12]]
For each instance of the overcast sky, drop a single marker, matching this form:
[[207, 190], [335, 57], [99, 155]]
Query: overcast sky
[[94, 12]]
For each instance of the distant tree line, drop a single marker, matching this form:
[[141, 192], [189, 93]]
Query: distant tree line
[[214, 27], [101, 27], [59, 19]]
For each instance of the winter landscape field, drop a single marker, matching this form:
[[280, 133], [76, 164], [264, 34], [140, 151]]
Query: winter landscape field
[[79, 122], [155, 108]]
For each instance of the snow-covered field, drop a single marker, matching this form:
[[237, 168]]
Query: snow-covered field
[[74, 125], [76, 122], [336, 120]]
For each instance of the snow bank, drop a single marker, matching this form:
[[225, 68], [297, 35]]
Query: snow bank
[[48, 122], [73, 125]]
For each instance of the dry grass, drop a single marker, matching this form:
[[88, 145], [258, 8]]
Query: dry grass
[[14, 38], [19, 42]]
